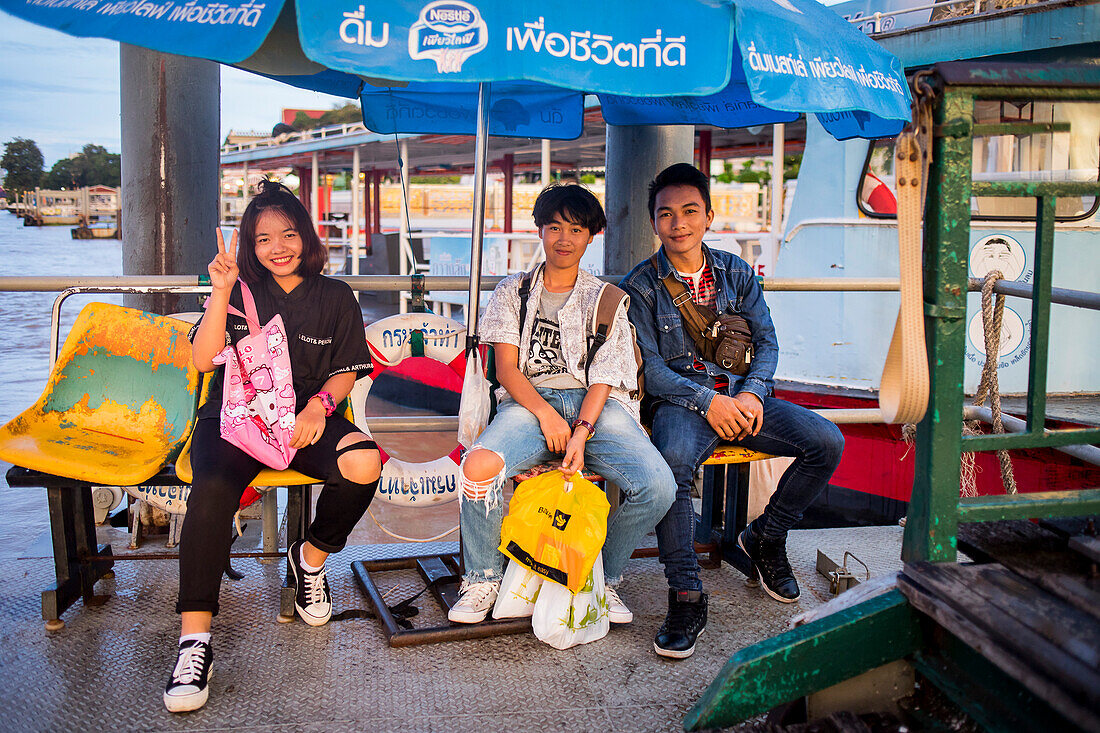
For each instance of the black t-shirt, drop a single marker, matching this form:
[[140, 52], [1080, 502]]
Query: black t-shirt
[[324, 325]]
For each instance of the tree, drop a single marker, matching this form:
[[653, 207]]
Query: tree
[[92, 166], [23, 162], [61, 175], [95, 166], [336, 116], [748, 173]]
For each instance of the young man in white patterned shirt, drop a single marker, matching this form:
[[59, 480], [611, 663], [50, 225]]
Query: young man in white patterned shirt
[[551, 407]]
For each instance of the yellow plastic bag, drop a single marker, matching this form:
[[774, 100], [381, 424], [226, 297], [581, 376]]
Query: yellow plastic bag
[[555, 530]]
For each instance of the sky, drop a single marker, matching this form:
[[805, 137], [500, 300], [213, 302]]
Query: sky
[[63, 92]]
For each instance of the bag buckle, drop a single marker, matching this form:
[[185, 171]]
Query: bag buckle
[[682, 298]]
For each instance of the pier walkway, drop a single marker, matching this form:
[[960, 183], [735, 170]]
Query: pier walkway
[[106, 669]]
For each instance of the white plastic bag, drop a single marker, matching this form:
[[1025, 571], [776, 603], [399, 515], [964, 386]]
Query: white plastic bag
[[563, 619], [474, 406], [518, 591]]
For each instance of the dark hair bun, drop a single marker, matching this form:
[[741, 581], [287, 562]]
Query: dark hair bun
[[272, 188]]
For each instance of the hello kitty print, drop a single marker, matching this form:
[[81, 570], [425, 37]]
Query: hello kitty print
[[258, 390]]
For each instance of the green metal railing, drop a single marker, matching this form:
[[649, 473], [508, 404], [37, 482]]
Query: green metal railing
[[935, 508], [886, 628]]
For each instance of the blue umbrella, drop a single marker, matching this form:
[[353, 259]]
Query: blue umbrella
[[725, 62]]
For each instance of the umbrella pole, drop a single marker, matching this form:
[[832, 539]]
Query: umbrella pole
[[477, 230]]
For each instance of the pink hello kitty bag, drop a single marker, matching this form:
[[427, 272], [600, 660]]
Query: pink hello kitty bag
[[258, 390]]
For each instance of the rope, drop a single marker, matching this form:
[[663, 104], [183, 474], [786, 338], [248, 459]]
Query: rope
[[989, 387]]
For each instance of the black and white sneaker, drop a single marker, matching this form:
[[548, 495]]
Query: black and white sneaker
[[685, 621], [769, 562], [312, 598], [187, 688]]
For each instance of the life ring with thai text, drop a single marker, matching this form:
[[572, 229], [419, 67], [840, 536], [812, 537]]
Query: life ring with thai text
[[407, 483]]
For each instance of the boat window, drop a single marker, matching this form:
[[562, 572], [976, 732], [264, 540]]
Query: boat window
[[877, 189], [1068, 151]]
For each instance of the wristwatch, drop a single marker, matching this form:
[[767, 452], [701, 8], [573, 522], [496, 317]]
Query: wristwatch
[[327, 402], [587, 426]]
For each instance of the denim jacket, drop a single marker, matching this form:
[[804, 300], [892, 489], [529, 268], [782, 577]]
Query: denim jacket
[[669, 352]]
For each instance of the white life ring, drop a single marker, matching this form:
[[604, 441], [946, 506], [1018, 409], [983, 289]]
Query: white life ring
[[405, 483]]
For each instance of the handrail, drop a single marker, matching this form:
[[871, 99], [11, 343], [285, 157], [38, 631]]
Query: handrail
[[176, 284], [893, 223]]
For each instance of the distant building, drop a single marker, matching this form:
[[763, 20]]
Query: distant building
[[289, 115], [241, 137]]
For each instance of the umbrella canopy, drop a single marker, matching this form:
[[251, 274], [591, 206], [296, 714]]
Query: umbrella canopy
[[725, 62]]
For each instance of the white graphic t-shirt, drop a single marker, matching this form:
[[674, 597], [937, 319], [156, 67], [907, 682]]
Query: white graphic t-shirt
[[545, 363]]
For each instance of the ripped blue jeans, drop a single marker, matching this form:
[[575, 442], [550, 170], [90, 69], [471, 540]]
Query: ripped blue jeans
[[620, 451]]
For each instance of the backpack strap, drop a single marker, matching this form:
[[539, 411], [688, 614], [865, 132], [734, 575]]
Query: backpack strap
[[695, 317], [525, 293], [610, 298]]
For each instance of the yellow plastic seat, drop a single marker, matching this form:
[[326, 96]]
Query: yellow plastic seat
[[726, 454], [119, 403], [267, 476]]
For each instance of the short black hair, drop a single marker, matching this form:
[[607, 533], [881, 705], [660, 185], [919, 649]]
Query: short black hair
[[679, 174], [276, 196], [575, 204]]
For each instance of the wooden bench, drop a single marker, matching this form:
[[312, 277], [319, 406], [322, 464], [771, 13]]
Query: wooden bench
[[1016, 636]]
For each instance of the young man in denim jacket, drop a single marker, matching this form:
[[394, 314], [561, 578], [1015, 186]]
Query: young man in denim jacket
[[697, 403]]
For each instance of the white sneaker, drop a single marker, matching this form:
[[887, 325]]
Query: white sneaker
[[474, 601], [188, 687], [312, 597], [617, 612]]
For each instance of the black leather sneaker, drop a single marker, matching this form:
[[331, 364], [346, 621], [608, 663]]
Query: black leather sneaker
[[187, 688], [769, 560], [312, 598], [686, 620]]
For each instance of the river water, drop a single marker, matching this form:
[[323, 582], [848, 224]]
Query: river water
[[24, 368], [25, 340]]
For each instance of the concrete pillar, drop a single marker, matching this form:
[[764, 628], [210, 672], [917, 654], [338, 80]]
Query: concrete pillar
[[353, 217], [635, 155], [777, 180], [546, 171], [315, 192], [704, 151], [404, 264], [377, 200], [303, 188], [170, 111], [508, 166]]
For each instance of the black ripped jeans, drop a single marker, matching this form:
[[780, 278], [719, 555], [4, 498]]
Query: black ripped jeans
[[222, 472]]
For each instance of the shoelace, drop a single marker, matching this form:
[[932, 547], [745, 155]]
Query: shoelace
[[189, 665], [683, 616], [475, 594], [315, 586], [613, 597], [773, 559]]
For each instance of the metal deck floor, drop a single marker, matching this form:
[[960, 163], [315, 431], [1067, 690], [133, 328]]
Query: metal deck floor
[[106, 669]]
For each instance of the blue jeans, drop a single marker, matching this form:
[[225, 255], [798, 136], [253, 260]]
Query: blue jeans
[[620, 451], [686, 439]]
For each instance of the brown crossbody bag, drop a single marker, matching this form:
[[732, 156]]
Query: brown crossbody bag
[[724, 340]]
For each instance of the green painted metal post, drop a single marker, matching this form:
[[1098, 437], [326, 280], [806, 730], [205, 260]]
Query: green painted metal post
[[1040, 314], [933, 508]]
